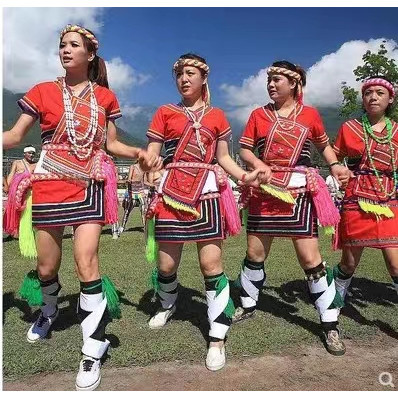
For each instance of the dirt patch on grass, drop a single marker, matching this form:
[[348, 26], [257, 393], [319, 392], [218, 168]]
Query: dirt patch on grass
[[310, 368]]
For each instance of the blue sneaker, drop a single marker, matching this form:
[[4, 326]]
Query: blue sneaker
[[41, 327]]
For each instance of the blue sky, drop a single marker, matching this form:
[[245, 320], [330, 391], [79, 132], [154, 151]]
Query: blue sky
[[237, 42], [140, 46]]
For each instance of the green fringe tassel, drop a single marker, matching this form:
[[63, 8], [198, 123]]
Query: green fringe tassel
[[154, 283], [329, 230], [245, 216], [27, 244], [282, 194], [154, 280], [338, 301], [151, 251], [372, 207], [30, 289], [112, 297]]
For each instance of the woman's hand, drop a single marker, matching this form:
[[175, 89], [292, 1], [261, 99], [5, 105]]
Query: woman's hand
[[251, 178], [342, 174], [149, 161], [265, 174]]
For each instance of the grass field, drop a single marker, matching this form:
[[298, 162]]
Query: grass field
[[285, 319]]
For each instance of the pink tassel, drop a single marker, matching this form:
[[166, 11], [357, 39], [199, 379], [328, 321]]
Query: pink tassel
[[326, 210], [232, 219], [111, 200], [12, 213]]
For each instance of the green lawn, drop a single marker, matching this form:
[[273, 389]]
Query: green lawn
[[285, 319]]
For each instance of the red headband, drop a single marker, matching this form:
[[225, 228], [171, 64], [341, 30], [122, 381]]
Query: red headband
[[378, 81]]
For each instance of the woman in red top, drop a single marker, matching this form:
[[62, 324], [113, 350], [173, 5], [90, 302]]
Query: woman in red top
[[194, 201], [74, 184], [369, 215], [289, 202]]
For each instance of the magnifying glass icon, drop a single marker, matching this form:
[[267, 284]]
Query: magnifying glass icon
[[385, 379]]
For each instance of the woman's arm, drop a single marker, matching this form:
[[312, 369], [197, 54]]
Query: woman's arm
[[340, 172], [229, 165], [147, 160], [15, 136], [253, 162], [117, 148]]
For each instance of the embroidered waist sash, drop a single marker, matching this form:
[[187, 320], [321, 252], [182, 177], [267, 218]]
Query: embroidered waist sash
[[367, 185], [184, 183], [283, 148]]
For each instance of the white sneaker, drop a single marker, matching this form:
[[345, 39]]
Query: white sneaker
[[121, 229], [161, 317], [41, 327], [115, 235], [215, 359], [89, 376]]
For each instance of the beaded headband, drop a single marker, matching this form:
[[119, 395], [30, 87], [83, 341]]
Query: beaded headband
[[201, 65], [379, 81], [289, 73], [82, 31], [190, 62]]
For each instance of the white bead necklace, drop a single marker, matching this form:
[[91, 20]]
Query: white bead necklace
[[278, 118], [196, 125], [82, 146]]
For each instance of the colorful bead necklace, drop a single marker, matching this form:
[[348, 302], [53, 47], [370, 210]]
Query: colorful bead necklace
[[368, 131]]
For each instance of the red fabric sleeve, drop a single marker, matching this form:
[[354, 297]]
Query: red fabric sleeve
[[156, 128], [318, 134], [113, 110], [249, 136], [31, 102], [224, 130], [340, 146]]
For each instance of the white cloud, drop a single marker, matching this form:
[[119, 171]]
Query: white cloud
[[122, 76], [30, 48], [323, 79]]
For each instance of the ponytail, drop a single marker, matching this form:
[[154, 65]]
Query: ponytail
[[97, 72]]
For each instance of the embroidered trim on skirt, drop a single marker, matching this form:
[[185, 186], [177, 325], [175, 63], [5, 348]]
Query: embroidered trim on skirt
[[270, 216], [63, 203], [169, 227]]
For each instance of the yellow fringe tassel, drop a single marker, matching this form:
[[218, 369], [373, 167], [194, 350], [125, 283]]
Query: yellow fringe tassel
[[180, 206], [328, 230], [27, 243], [282, 194], [375, 208]]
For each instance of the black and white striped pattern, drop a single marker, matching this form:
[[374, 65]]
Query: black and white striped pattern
[[91, 208], [207, 227], [301, 221], [251, 279], [91, 310], [50, 290], [168, 290]]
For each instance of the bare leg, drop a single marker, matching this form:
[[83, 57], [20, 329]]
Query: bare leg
[[391, 258]]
